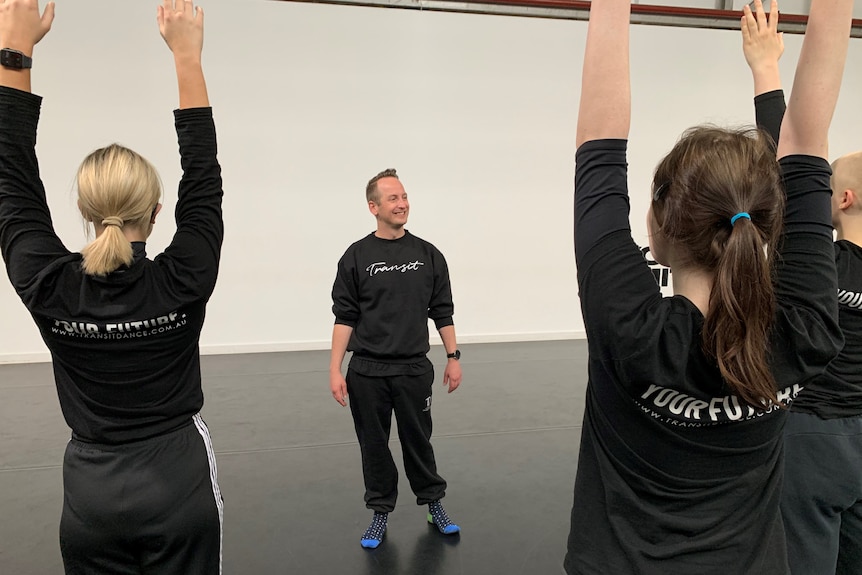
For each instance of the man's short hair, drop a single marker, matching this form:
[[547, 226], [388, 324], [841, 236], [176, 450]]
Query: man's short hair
[[371, 188]]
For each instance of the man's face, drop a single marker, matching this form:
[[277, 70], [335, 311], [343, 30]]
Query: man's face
[[392, 206]]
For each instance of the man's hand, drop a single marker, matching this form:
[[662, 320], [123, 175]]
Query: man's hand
[[21, 25], [182, 26], [762, 43], [338, 387], [452, 375]]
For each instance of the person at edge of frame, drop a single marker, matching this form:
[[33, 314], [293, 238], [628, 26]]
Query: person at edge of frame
[[681, 457], [821, 499], [140, 485]]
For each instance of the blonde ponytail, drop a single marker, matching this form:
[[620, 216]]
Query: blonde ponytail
[[108, 251], [117, 188]]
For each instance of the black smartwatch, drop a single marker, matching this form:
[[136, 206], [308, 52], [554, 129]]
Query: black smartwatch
[[15, 59], [454, 355]]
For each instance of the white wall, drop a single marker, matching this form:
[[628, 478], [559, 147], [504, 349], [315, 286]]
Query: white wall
[[476, 112]]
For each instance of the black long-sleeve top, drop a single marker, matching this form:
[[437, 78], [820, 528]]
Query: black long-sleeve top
[[386, 290], [124, 346], [675, 474]]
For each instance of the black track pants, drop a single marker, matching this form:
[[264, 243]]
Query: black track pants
[[822, 497], [372, 400], [148, 507]]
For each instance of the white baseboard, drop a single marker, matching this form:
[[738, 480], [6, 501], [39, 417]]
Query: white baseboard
[[435, 340], [34, 357], [224, 349]]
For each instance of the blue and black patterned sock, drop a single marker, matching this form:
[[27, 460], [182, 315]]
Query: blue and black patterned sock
[[437, 516], [374, 534]]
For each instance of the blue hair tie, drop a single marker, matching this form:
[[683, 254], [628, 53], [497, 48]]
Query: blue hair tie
[[739, 215]]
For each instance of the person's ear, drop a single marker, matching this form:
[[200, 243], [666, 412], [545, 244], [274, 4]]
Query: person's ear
[[156, 211]]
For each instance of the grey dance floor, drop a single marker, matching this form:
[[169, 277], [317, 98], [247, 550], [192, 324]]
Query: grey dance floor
[[289, 466]]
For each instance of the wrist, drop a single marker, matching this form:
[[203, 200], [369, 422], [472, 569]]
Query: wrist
[[765, 68], [23, 46], [188, 60]]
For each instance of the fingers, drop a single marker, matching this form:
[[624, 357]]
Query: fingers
[[757, 27], [339, 396], [339, 390], [758, 21], [48, 16], [180, 6], [750, 23], [760, 14], [452, 382]]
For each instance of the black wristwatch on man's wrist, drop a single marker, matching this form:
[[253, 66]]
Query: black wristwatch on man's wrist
[[15, 59], [454, 355]]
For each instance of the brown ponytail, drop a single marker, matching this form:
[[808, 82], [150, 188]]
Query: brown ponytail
[[116, 188], [711, 175]]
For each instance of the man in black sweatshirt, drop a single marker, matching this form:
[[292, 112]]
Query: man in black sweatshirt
[[388, 285], [822, 498]]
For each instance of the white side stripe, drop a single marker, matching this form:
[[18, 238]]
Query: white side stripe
[[205, 433]]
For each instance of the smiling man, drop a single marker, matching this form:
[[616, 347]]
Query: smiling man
[[388, 285]]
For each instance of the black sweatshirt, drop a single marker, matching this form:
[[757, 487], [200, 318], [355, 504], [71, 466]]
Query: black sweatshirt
[[124, 346], [838, 392], [386, 290], [675, 474]]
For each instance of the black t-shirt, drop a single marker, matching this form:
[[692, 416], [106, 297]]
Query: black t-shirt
[[675, 474], [838, 392], [386, 290], [124, 346]]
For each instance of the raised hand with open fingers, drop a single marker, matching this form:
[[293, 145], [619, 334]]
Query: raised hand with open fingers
[[181, 24], [762, 43], [22, 25]]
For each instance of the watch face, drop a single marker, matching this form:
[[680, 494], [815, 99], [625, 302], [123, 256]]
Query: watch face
[[11, 59]]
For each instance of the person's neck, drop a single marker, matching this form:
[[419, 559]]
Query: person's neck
[[694, 285], [133, 234], [851, 233], [388, 233]]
